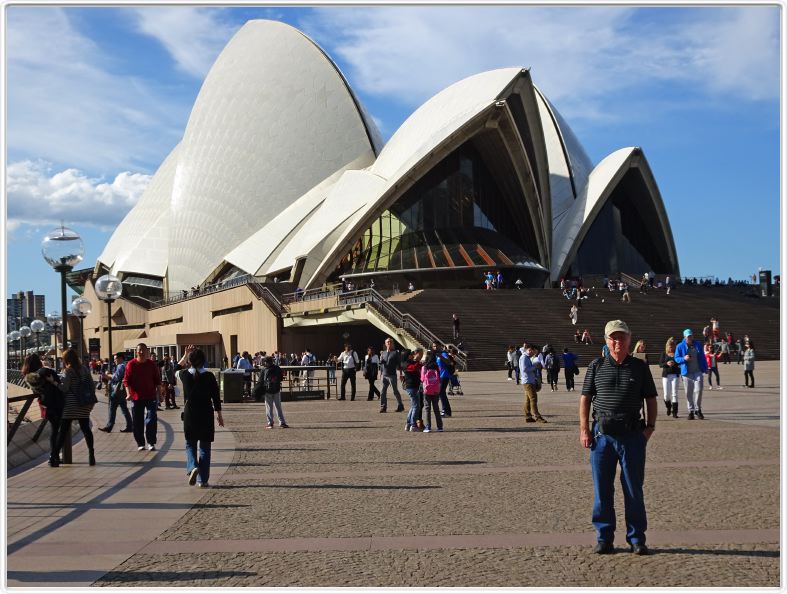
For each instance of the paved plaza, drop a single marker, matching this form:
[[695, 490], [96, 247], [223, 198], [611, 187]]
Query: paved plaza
[[346, 498]]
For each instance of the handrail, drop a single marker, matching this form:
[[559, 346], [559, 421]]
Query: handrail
[[405, 321], [630, 280], [264, 293], [28, 400], [185, 295]]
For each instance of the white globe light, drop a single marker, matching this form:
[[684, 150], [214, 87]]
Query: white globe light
[[63, 248], [25, 331], [81, 307], [14, 336], [109, 287], [54, 319], [37, 326]]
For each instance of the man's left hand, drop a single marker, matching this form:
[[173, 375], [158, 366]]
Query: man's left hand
[[648, 432]]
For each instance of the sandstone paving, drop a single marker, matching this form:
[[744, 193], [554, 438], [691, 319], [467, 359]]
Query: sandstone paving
[[347, 498]]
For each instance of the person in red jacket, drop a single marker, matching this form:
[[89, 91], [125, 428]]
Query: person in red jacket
[[142, 380]]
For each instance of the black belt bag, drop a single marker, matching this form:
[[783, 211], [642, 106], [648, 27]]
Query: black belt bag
[[618, 423]]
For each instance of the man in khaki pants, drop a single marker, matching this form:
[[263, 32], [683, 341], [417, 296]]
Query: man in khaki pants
[[527, 375]]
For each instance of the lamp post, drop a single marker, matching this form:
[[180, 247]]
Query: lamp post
[[37, 326], [81, 308], [63, 249], [13, 337], [24, 332], [108, 288], [55, 321]]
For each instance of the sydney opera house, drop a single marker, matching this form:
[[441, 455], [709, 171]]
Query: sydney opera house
[[281, 174]]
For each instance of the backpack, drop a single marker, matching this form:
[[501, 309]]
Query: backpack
[[431, 382]]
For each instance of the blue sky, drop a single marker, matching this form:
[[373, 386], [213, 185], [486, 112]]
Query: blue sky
[[97, 97]]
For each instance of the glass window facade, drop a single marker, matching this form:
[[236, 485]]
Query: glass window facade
[[455, 216], [626, 236]]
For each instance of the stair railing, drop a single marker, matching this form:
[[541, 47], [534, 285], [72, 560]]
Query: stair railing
[[269, 297], [405, 321], [631, 280]]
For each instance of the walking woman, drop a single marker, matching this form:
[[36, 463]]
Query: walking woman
[[50, 399], [80, 397], [670, 371], [371, 366], [748, 364], [201, 398]]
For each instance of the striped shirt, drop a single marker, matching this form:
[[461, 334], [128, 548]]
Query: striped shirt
[[618, 388]]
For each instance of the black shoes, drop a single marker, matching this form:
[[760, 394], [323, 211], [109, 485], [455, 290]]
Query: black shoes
[[604, 548], [341, 398], [674, 410], [370, 398], [400, 408], [640, 549], [105, 429], [691, 416], [91, 458], [127, 430], [700, 415], [54, 462], [669, 408], [383, 409]]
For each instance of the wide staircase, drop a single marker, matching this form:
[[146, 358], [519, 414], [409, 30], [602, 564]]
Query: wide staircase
[[491, 320]]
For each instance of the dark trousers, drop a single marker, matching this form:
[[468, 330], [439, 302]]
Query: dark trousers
[[145, 420], [606, 452], [373, 391], [348, 374], [713, 371], [84, 425], [116, 401], [569, 379], [747, 375], [552, 377], [431, 404], [169, 394], [444, 397], [510, 369], [54, 426]]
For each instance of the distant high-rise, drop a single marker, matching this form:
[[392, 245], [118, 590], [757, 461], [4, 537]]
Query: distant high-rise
[[23, 307]]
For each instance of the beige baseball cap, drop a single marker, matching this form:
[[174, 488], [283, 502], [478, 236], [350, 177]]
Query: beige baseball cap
[[616, 326]]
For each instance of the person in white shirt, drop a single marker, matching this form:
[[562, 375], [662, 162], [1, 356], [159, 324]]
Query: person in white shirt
[[308, 359], [350, 362]]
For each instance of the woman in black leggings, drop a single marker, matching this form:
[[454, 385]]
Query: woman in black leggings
[[77, 381]]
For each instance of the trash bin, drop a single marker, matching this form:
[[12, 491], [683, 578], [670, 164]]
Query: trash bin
[[233, 385]]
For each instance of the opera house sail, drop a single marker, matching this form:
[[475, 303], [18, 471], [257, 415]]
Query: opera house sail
[[281, 173]]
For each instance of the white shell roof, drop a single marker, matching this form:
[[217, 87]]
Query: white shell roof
[[273, 119], [572, 228], [440, 116], [144, 219]]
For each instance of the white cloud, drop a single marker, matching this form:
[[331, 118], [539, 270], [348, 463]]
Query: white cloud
[[194, 37], [67, 105], [37, 194], [581, 57]]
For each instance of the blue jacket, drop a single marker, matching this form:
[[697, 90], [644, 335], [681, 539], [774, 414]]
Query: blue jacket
[[445, 372], [680, 356]]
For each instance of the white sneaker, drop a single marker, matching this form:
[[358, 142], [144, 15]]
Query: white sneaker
[[141, 448], [151, 447], [427, 430], [203, 485], [710, 387], [719, 388], [509, 379], [193, 476]]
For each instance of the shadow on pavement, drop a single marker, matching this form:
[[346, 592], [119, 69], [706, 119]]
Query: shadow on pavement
[[714, 552], [167, 576]]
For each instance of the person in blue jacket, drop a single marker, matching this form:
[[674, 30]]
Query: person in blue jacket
[[693, 365]]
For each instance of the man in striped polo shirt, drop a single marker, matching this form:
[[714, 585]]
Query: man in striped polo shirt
[[618, 385]]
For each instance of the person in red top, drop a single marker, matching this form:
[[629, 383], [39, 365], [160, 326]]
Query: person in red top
[[142, 380]]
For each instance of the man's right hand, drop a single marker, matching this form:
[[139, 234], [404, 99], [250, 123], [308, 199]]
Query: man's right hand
[[585, 438]]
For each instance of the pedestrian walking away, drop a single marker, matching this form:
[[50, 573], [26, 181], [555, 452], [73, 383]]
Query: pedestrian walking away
[[80, 397], [530, 384], [350, 362], [689, 355], [455, 323], [390, 363], [142, 380], [670, 370], [552, 364], [117, 396], [200, 401], [618, 386], [371, 365], [570, 368], [45, 383], [270, 383]]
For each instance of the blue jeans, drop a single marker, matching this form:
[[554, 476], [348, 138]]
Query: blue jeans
[[198, 456], [444, 397], [116, 401], [606, 452], [145, 425], [389, 380], [412, 415]]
